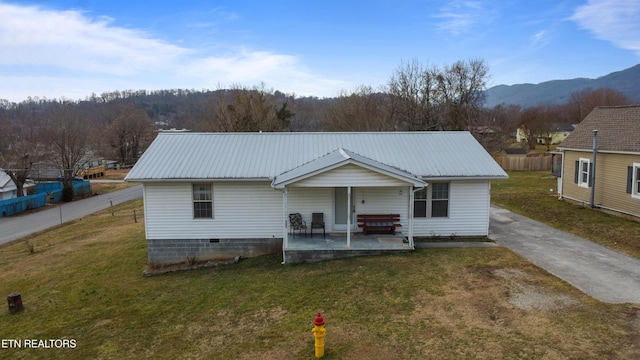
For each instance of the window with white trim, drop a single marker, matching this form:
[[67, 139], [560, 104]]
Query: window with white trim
[[432, 201], [636, 179], [439, 199], [584, 172], [633, 180], [420, 203], [202, 201]]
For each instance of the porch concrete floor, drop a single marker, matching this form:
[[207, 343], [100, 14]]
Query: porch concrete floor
[[338, 241]]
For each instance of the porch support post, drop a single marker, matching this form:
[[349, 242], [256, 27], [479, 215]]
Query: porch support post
[[411, 199], [285, 233], [348, 216]]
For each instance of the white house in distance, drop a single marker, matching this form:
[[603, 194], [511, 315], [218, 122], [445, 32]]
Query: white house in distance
[[8, 189], [210, 196]]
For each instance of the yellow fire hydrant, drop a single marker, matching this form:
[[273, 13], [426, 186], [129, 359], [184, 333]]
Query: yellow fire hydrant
[[318, 332]]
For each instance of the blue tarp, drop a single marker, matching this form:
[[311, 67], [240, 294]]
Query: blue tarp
[[17, 205], [51, 191]]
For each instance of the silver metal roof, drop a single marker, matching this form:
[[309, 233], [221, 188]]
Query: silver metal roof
[[199, 156]]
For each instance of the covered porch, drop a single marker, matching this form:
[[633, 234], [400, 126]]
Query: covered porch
[[341, 186]]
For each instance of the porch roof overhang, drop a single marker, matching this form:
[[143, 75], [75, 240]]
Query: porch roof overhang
[[338, 158]]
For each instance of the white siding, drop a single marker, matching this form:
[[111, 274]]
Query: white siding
[[349, 175], [468, 212], [311, 200], [240, 210], [390, 200]]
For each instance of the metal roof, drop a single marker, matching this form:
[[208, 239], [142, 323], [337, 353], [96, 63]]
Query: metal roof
[[338, 158], [200, 156], [4, 179]]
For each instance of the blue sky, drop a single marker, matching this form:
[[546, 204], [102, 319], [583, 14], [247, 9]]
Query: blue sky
[[73, 48]]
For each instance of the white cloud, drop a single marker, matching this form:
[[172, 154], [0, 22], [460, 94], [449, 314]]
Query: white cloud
[[70, 54], [459, 16], [30, 36], [617, 21], [540, 39]]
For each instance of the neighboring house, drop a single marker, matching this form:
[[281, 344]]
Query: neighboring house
[[8, 189], [558, 133], [210, 196], [615, 183]]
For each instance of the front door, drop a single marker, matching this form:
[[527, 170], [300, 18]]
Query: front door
[[340, 209]]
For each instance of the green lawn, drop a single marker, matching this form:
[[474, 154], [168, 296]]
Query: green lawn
[[84, 282], [534, 194]]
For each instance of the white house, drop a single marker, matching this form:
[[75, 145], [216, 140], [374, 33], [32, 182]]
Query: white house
[[8, 189], [211, 196]]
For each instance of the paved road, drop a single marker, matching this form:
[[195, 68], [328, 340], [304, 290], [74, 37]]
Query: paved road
[[12, 228], [600, 272]]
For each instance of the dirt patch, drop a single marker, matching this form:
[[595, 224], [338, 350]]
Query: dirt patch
[[530, 297]]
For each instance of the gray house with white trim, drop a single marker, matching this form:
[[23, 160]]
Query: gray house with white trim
[[211, 196]]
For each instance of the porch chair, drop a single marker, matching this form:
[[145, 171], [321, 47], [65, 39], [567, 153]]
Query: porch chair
[[296, 223], [317, 222]]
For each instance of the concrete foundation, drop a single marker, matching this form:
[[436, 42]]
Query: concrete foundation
[[164, 252], [300, 256]]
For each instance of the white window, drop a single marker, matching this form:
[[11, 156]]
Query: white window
[[202, 201], [584, 172], [635, 181], [433, 202], [440, 200]]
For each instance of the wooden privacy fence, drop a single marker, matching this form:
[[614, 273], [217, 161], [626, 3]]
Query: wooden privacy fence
[[531, 162]]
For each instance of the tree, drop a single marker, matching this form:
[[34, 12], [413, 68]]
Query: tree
[[539, 122], [495, 126], [582, 102], [460, 93], [67, 138], [362, 110], [412, 89], [129, 132], [430, 98], [241, 109], [21, 144]]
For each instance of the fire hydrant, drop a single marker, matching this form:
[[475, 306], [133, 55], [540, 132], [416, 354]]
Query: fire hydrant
[[319, 332]]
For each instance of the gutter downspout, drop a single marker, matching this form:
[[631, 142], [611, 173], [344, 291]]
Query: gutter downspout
[[593, 170]]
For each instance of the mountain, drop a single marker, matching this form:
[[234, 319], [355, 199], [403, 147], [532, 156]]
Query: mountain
[[559, 91]]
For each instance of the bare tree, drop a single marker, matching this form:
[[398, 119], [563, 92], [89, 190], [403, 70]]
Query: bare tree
[[412, 89], [362, 110], [540, 122], [129, 132], [495, 126], [430, 98], [241, 110], [460, 93], [66, 134], [21, 144], [582, 102]]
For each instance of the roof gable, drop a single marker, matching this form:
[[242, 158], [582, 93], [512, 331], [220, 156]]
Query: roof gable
[[338, 158], [618, 130], [5, 180], [264, 156]]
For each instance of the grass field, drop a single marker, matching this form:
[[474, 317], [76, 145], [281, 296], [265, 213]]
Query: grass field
[[84, 282]]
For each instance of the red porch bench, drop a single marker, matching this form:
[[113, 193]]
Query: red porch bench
[[379, 223]]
